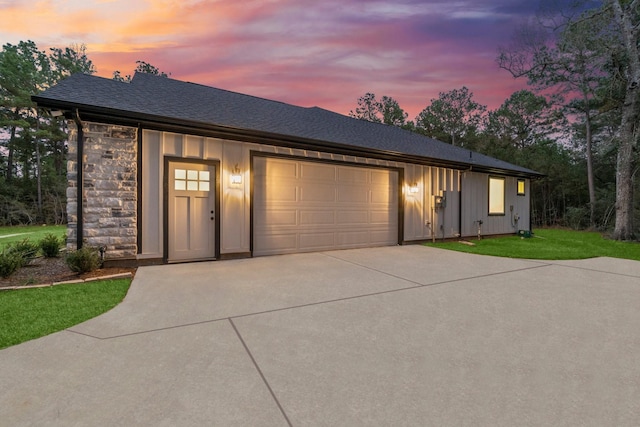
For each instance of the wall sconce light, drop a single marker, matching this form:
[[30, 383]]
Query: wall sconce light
[[236, 176], [413, 188]]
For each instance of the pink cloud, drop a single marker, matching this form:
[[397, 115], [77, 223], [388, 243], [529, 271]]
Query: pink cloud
[[325, 53]]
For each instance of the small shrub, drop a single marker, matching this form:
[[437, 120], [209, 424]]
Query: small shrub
[[84, 259], [27, 249], [10, 261], [577, 217], [50, 245]]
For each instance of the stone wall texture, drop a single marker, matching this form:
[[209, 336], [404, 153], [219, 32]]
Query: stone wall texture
[[109, 197]]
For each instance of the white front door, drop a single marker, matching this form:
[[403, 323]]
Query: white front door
[[191, 211]]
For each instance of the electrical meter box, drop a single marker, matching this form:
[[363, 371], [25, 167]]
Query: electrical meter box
[[440, 201]]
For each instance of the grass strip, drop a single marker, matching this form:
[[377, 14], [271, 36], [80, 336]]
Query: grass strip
[[34, 233], [549, 244], [26, 314]]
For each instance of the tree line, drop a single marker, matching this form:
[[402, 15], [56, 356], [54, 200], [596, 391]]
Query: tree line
[[579, 122], [33, 141]]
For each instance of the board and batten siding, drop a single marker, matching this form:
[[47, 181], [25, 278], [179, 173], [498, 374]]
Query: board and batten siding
[[235, 207], [421, 219], [235, 217]]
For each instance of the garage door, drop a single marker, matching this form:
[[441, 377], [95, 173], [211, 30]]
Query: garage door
[[303, 206]]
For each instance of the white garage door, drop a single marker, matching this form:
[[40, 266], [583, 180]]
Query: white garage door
[[303, 206]]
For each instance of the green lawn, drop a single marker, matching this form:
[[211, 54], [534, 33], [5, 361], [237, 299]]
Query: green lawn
[[34, 232], [551, 244], [26, 314]]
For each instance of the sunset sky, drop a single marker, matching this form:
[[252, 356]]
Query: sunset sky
[[324, 53]]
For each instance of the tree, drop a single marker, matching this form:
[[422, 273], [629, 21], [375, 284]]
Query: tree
[[391, 112], [557, 197], [142, 67], [573, 66], [35, 144], [367, 109], [525, 130], [523, 119], [386, 111], [626, 15], [64, 62], [23, 72], [581, 56], [452, 117], [71, 60]]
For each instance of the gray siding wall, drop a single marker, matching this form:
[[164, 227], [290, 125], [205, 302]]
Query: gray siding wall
[[422, 219], [475, 202], [443, 217], [235, 207], [110, 193]]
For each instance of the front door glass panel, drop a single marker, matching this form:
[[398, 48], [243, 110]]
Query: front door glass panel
[[191, 180]]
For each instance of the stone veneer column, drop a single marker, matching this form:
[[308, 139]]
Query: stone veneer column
[[109, 188]]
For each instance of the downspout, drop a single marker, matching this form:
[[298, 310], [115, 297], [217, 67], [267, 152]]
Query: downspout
[[79, 179]]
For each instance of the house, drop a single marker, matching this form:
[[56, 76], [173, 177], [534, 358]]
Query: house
[[162, 170]]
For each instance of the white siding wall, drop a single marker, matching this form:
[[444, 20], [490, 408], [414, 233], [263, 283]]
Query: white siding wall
[[475, 199], [152, 169], [422, 221], [443, 220], [416, 204]]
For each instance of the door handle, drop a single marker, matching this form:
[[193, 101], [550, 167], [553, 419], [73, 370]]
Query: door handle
[[212, 216]]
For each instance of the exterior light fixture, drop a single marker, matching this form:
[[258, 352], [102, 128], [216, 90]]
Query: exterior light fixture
[[236, 176], [413, 188]]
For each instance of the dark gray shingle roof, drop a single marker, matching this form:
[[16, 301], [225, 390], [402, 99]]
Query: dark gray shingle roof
[[175, 101]]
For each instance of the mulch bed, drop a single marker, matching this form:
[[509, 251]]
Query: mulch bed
[[42, 271]]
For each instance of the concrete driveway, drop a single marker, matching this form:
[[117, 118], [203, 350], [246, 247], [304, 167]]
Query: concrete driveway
[[397, 336]]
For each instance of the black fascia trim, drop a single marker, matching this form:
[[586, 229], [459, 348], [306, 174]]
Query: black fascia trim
[[128, 118]]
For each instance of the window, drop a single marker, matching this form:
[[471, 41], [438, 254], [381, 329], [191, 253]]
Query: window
[[521, 187], [496, 196], [191, 180]]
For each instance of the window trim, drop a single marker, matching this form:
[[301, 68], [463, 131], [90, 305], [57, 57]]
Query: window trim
[[504, 182]]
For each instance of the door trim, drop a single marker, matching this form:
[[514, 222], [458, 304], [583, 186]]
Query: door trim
[[165, 203]]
